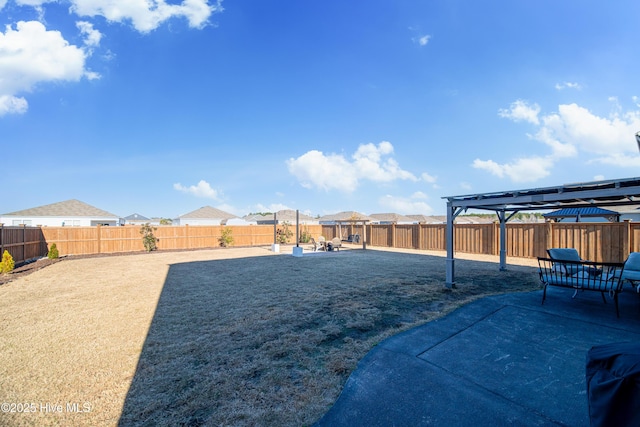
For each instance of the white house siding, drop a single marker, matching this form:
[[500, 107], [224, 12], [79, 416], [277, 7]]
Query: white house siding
[[199, 221], [53, 221]]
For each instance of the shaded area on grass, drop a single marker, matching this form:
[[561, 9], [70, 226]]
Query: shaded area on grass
[[271, 340]]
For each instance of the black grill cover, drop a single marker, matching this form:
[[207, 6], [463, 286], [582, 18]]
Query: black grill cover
[[613, 384]]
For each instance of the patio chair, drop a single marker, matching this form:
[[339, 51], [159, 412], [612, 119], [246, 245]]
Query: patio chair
[[565, 254], [631, 272], [322, 243], [352, 238], [335, 244], [314, 245]]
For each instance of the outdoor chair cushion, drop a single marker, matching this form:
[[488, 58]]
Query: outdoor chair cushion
[[565, 254], [631, 271]]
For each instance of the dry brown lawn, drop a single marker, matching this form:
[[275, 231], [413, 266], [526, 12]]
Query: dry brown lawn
[[236, 336]]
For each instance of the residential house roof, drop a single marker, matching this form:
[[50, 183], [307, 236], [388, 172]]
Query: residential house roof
[[346, 216], [68, 208], [472, 219], [136, 217], [429, 219], [285, 215], [393, 218], [208, 212]]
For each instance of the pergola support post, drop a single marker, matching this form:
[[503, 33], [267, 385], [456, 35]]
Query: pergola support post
[[503, 240], [502, 216], [452, 213]]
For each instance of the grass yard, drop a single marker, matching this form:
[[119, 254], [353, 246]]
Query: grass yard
[[235, 336]]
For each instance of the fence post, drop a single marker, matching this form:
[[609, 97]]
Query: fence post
[[626, 241], [393, 235], [24, 243], [1, 239], [99, 231], [548, 239]]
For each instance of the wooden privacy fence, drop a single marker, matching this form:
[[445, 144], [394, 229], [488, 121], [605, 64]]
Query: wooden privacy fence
[[601, 242], [95, 240], [22, 242]]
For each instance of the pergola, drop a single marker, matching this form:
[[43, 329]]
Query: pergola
[[354, 222], [619, 192]]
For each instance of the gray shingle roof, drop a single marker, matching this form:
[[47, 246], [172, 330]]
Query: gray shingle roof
[[208, 212], [393, 217], [68, 208], [346, 216], [288, 215], [136, 217]]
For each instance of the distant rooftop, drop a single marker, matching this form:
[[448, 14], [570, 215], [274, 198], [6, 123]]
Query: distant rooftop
[[68, 208]]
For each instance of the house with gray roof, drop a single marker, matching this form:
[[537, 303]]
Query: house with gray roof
[[344, 217], [429, 219], [392, 218], [207, 215], [70, 213], [282, 216], [137, 219]]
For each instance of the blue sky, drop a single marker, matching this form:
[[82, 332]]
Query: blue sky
[[162, 107]]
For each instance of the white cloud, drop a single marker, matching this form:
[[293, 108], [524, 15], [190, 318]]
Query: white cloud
[[315, 169], [419, 195], [34, 3], [326, 172], [29, 55], [369, 164], [521, 170], [619, 160], [419, 38], [92, 36], [202, 189], [12, 105], [588, 132], [521, 111], [428, 178], [568, 85], [423, 40], [466, 186], [147, 15], [406, 206], [273, 207], [568, 132]]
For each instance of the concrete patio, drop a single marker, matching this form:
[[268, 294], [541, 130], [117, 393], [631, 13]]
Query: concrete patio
[[501, 360]]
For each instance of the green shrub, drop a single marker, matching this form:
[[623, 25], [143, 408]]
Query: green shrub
[[53, 252], [148, 239], [283, 234], [226, 238], [305, 236], [7, 264]]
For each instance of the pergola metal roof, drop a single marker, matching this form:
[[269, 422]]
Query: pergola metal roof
[[596, 193], [618, 192]]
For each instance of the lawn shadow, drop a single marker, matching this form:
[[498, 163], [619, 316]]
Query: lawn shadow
[[271, 340]]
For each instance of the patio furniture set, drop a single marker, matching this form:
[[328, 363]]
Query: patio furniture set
[[564, 268]]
